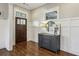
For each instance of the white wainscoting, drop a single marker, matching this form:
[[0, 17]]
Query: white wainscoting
[[3, 32], [70, 35]]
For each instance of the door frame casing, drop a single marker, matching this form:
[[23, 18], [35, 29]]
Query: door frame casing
[[15, 28]]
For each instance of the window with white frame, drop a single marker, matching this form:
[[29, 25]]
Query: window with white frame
[[20, 14]]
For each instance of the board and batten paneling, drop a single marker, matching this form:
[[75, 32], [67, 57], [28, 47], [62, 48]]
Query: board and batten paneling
[[3, 24], [75, 36], [65, 35], [70, 35], [3, 32]]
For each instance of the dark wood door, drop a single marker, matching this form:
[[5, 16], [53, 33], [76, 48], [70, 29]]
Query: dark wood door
[[21, 29]]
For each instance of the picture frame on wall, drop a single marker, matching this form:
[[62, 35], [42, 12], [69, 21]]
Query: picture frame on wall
[[52, 14]]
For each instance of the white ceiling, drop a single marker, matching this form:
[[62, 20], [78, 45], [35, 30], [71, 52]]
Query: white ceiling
[[30, 6]]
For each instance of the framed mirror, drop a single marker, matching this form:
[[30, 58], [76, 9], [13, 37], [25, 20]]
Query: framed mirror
[[53, 28]]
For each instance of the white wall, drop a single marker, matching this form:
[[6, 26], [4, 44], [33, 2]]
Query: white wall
[[66, 10], [69, 10], [69, 33], [3, 24], [4, 10]]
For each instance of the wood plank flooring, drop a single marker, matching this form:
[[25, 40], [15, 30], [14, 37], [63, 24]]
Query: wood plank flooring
[[31, 49]]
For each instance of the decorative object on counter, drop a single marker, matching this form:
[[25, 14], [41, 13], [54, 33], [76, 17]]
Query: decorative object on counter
[[51, 27]]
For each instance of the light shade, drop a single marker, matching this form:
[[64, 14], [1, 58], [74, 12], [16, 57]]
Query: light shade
[[43, 24]]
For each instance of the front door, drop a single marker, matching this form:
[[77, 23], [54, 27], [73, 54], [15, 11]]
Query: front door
[[20, 29]]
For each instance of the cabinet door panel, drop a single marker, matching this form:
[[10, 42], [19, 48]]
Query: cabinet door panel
[[54, 43], [57, 38], [46, 42], [40, 37]]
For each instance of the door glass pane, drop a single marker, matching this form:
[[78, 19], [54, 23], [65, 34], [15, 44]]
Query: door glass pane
[[23, 22], [18, 21]]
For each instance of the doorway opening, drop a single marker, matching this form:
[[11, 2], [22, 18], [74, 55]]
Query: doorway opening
[[20, 29]]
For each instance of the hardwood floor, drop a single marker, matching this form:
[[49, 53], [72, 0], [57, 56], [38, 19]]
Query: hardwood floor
[[31, 49]]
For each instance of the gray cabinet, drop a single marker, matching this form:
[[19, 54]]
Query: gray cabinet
[[51, 42]]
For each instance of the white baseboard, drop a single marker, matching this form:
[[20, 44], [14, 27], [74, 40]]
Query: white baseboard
[[2, 47], [72, 52], [34, 41]]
